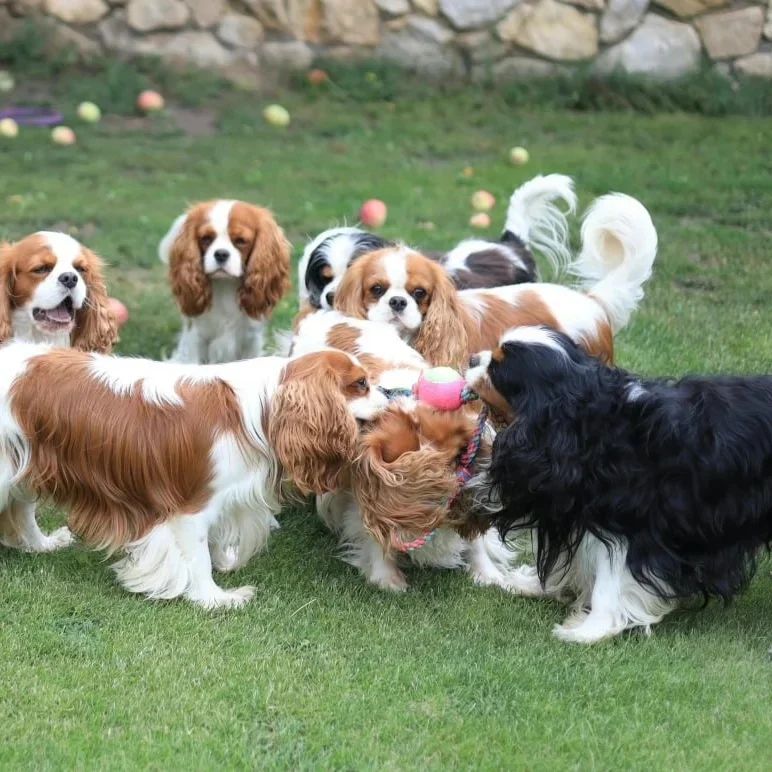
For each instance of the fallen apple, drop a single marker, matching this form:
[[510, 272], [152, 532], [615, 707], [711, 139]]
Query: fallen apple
[[483, 201], [317, 77], [480, 220], [63, 135], [276, 115], [373, 213], [519, 156], [150, 102], [120, 312], [89, 112], [6, 81], [9, 128]]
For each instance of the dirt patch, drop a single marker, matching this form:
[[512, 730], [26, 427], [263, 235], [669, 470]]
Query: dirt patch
[[192, 122]]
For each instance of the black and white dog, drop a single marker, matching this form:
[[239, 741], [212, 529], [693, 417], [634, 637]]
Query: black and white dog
[[640, 492], [534, 221]]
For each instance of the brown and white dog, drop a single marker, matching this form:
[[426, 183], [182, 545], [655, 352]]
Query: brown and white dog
[[52, 291], [228, 267], [180, 466], [403, 288], [405, 475]]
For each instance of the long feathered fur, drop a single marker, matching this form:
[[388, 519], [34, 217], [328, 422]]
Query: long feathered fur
[[680, 471]]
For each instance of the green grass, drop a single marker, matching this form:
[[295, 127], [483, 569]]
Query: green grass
[[320, 670]]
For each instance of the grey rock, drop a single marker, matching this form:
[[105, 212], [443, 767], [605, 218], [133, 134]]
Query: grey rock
[[659, 47]]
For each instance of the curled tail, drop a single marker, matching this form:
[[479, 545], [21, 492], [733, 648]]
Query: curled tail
[[535, 217], [619, 244]]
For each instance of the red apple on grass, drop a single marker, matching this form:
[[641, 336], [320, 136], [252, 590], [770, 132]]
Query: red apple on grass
[[480, 220], [120, 312], [373, 213], [317, 77], [483, 201], [63, 135], [150, 101]]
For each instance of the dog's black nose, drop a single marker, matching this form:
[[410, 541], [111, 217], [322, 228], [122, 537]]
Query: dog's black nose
[[221, 255], [69, 279], [474, 360], [330, 298], [397, 303]]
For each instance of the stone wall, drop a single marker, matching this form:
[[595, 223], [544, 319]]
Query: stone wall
[[249, 39]]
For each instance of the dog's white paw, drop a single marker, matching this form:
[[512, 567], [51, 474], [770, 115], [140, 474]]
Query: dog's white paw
[[525, 581], [61, 537], [226, 599], [490, 577], [392, 580], [584, 630]]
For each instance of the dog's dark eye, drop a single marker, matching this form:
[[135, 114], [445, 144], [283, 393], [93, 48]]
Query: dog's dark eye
[[240, 243], [362, 383], [42, 269], [377, 290], [81, 269], [206, 242], [419, 293]]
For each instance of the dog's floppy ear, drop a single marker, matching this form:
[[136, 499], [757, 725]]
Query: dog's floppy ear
[[402, 485], [190, 285], [349, 297], [266, 273], [311, 427], [442, 338], [6, 288], [96, 328]]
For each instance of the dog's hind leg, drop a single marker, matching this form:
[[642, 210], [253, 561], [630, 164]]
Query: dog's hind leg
[[488, 560], [607, 615]]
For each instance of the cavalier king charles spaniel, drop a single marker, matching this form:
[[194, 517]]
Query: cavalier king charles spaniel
[[180, 466], [403, 288], [405, 499], [641, 492], [229, 268], [52, 291], [533, 221]]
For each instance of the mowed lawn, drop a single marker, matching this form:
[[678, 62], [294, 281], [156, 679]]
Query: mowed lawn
[[321, 670]]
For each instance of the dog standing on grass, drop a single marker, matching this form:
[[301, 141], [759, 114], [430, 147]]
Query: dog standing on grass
[[640, 493]]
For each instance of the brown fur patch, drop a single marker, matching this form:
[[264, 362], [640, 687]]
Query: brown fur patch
[[345, 337], [601, 346], [500, 316], [120, 464]]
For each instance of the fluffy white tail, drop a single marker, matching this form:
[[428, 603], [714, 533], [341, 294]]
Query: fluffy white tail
[[535, 217], [619, 244]]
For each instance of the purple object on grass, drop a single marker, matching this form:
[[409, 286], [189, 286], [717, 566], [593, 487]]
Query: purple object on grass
[[33, 116]]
